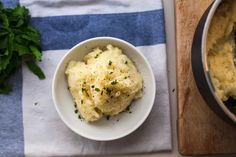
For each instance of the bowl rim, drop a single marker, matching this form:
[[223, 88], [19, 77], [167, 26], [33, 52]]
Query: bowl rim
[[207, 24], [144, 117]]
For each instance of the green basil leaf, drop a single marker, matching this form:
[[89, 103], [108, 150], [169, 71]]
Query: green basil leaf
[[21, 12], [36, 52], [3, 33], [31, 38], [21, 41], [35, 69], [4, 28], [17, 31], [5, 22], [31, 29], [10, 42], [34, 35], [5, 59], [5, 52], [19, 23], [3, 43], [21, 49]]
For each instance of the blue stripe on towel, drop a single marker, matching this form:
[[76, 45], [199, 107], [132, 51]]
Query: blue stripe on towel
[[62, 32], [10, 3], [11, 120]]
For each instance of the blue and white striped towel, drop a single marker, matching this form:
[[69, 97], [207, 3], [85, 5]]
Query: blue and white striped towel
[[33, 129]]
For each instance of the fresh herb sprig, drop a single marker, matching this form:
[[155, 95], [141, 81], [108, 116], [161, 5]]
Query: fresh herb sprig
[[19, 42]]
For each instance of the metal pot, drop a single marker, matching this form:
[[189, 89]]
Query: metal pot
[[201, 71]]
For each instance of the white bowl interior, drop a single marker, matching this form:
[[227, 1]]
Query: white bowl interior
[[120, 125]]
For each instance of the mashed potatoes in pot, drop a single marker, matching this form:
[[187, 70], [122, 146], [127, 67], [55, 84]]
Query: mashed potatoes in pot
[[221, 50], [104, 83]]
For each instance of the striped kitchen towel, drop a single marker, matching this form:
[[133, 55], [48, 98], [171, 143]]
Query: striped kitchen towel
[[29, 124]]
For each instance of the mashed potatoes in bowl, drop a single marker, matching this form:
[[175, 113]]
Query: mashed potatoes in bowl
[[104, 83], [100, 77]]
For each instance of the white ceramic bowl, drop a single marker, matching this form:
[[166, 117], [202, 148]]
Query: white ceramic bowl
[[120, 125]]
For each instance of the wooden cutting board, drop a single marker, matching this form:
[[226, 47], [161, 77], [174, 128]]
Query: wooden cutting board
[[200, 130]]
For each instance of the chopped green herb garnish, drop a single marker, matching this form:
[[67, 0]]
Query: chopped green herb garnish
[[76, 111], [92, 86], [75, 105], [108, 91], [83, 89], [82, 101], [84, 82], [111, 72], [96, 56], [110, 62], [79, 117], [130, 111], [127, 108], [126, 77], [114, 82], [101, 92], [97, 89], [126, 62]]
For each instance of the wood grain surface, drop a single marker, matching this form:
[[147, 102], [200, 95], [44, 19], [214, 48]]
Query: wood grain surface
[[200, 130]]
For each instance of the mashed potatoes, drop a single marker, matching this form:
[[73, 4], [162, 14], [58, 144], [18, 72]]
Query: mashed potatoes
[[221, 50], [105, 83]]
